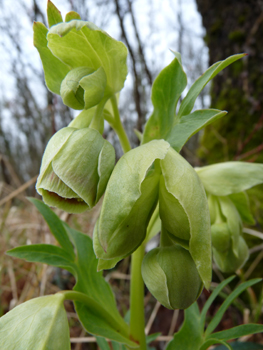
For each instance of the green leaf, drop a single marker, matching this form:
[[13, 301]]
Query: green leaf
[[55, 70], [53, 14], [213, 341], [189, 100], [152, 337], [236, 332], [38, 324], [216, 319], [242, 346], [72, 15], [55, 225], [226, 178], [44, 253], [92, 283], [102, 343], [241, 202], [190, 124], [189, 336], [166, 90], [82, 44], [212, 297]]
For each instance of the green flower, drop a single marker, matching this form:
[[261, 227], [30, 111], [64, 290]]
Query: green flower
[[171, 276], [75, 169]]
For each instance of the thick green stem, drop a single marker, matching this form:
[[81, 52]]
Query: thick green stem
[[137, 319], [118, 127], [95, 307], [97, 122]]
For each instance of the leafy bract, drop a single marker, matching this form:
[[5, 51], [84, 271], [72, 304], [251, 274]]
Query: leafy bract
[[38, 324], [72, 15], [55, 70], [53, 14], [166, 90], [81, 44], [189, 100], [226, 178], [190, 124]]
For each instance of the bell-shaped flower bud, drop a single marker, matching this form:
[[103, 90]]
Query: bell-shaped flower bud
[[221, 237], [229, 261], [40, 323], [75, 169], [184, 210], [130, 198], [171, 276], [83, 88]]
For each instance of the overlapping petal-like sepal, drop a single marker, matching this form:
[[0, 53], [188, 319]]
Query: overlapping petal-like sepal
[[75, 169], [171, 276], [184, 211], [130, 198]]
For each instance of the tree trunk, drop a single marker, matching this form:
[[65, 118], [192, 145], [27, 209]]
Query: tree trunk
[[235, 26]]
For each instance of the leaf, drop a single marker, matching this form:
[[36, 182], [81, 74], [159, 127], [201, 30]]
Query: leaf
[[44, 253], [53, 14], [189, 100], [242, 346], [55, 225], [237, 332], [55, 70], [102, 343], [185, 195], [227, 178], [166, 90], [212, 297], [82, 44], [92, 283], [72, 15], [213, 341], [190, 124], [216, 319], [189, 336], [152, 337], [241, 203], [39, 324]]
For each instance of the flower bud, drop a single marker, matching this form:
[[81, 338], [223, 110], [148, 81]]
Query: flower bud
[[229, 261], [221, 237], [75, 169], [171, 276]]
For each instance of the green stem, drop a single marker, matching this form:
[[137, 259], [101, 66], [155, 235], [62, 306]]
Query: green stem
[[97, 122], [137, 322], [118, 127], [97, 309]]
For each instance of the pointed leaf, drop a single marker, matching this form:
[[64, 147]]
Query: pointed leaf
[[166, 90], [213, 341], [212, 297], [45, 254], [241, 346], [53, 14], [189, 336], [38, 324], [72, 15], [226, 178], [190, 124], [217, 318], [189, 100], [55, 70], [237, 332], [55, 225]]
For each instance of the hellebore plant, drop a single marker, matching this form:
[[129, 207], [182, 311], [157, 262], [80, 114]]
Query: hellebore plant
[[151, 189]]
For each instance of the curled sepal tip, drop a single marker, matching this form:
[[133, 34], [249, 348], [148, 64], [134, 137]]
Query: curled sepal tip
[[75, 169], [171, 276]]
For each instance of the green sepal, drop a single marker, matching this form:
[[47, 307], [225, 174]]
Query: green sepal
[[55, 70], [241, 202], [189, 100], [166, 90], [81, 44], [190, 124], [227, 178], [39, 324], [53, 14]]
